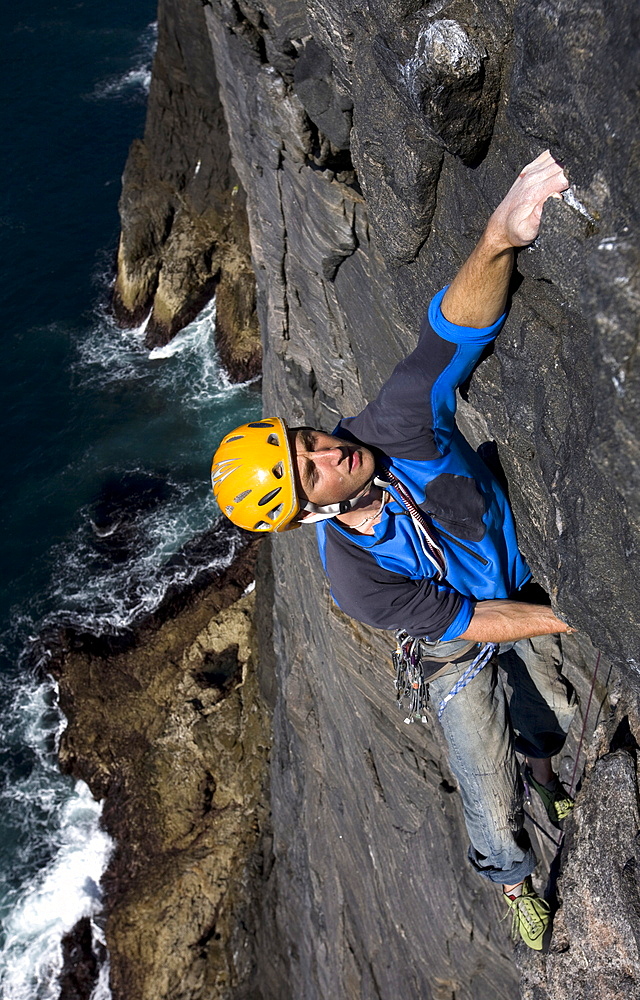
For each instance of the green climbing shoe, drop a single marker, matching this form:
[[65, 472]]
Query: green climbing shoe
[[531, 916], [557, 801]]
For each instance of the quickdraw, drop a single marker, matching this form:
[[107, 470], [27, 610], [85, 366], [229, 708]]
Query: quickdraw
[[409, 681]]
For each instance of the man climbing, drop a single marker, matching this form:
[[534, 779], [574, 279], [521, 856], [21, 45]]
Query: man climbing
[[416, 535]]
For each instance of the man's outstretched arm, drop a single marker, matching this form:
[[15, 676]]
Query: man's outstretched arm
[[478, 294], [477, 298], [506, 621]]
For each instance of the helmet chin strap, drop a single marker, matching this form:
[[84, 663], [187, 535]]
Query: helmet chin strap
[[322, 513]]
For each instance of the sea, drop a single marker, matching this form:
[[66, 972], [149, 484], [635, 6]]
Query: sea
[[106, 445]]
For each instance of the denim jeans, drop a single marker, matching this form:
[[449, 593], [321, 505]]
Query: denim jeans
[[483, 731]]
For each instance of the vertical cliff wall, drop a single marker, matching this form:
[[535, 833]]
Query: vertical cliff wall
[[372, 141]]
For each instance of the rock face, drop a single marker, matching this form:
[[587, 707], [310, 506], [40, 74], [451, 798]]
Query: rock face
[[372, 141], [81, 962], [184, 226], [596, 934]]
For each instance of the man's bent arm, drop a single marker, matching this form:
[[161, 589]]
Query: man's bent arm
[[506, 621], [478, 294]]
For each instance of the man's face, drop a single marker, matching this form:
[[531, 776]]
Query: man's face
[[329, 468]]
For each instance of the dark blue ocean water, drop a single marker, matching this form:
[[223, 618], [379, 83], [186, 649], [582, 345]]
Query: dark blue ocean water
[[105, 448]]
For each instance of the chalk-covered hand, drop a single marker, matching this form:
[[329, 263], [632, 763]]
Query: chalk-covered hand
[[516, 220]]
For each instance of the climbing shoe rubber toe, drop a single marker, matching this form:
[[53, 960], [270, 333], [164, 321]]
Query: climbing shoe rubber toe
[[531, 916], [556, 800]]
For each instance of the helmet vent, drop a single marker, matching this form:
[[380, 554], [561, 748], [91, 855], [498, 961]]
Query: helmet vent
[[274, 439], [269, 496], [260, 423], [236, 437], [228, 510], [261, 526], [241, 496], [278, 470], [275, 512]]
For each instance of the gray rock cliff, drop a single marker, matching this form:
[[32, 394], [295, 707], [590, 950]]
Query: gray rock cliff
[[372, 140]]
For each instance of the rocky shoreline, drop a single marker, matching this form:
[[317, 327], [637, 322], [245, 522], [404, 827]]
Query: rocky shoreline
[[168, 726], [184, 224]]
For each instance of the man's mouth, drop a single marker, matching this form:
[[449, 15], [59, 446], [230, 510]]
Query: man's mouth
[[354, 460]]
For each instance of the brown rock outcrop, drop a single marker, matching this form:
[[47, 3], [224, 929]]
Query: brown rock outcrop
[[184, 228], [170, 729]]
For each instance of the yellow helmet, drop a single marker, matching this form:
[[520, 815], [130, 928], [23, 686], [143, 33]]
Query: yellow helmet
[[252, 476]]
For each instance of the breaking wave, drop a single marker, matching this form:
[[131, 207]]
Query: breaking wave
[[57, 823], [137, 80], [110, 354]]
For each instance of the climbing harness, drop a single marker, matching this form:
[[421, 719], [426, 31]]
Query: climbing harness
[[472, 671], [410, 681], [426, 533]]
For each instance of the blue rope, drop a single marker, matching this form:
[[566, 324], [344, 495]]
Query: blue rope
[[472, 671]]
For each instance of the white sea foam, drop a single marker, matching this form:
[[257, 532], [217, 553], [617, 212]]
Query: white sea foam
[[118, 566], [107, 598], [145, 533], [58, 821], [101, 990], [134, 79], [192, 369], [197, 336], [138, 79], [67, 890], [107, 354], [197, 339], [54, 822]]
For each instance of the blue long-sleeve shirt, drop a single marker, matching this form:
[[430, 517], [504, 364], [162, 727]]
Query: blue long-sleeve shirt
[[386, 579]]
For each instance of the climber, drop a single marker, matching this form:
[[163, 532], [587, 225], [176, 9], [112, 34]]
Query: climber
[[416, 535]]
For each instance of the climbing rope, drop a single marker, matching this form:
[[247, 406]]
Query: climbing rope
[[584, 727], [426, 532], [472, 671]]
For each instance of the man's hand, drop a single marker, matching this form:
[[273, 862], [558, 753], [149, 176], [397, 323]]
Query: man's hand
[[516, 220], [477, 296]]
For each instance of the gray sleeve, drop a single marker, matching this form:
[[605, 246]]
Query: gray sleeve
[[413, 416], [401, 419], [376, 596]]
